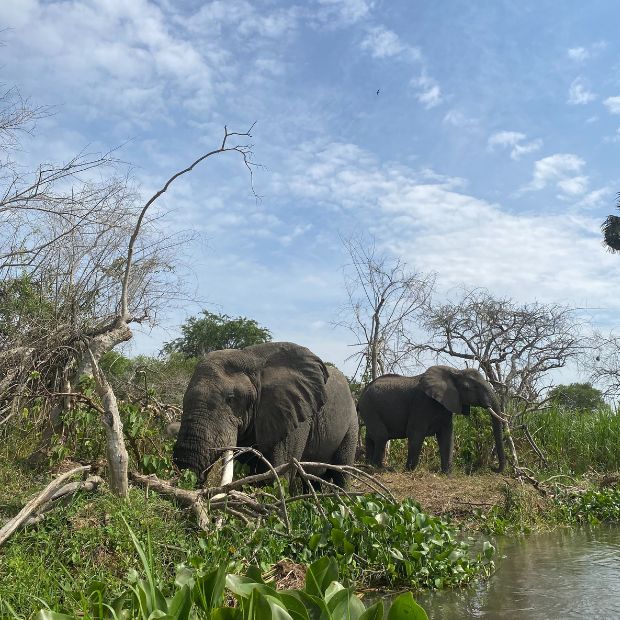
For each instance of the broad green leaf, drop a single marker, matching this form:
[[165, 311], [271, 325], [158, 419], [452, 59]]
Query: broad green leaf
[[185, 576], [294, 606], [181, 604], [345, 605], [315, 606], [319, 575], [244, 587], [333, 587], [374, 612], [227, 613], [404, 607], [48, 614]]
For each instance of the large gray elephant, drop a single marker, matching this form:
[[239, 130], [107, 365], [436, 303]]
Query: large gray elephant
[[277, 397], [395, 407]]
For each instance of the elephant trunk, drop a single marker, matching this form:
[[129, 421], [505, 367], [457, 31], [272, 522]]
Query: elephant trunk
[[498, 434], [197, 447]]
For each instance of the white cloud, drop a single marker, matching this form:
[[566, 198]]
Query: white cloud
[[458, 119], [463, 238], [383, 43], [428, 90], [581, 54], [578, 53], [613, 104], [578, 93], [344, 12], [562, 170], [515, 141]]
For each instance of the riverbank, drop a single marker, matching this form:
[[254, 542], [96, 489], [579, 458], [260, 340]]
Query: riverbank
[[496, 503]]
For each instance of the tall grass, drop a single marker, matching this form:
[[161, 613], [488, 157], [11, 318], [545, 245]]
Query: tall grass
[[577, 441]]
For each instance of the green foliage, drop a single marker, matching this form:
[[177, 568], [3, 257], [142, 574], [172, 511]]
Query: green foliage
[[213, 332], [24, 306], [372, 542], [199, 592], [142, 378], [388, 544], [577, 397], [593, 506]]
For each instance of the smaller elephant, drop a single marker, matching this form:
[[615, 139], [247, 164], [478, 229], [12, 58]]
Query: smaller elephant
[[395, 407]]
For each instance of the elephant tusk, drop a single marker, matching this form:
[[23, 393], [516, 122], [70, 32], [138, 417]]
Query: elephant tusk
[[227, 472], [499, 417]]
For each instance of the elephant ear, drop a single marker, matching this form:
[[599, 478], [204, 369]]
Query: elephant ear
[[292, 390], [439, 383]]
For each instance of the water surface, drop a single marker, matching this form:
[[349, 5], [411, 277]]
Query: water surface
[[559, 575]]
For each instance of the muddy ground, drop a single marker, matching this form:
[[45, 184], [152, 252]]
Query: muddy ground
[[455, 495]]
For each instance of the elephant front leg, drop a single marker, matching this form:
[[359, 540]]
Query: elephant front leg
[[445, 439]]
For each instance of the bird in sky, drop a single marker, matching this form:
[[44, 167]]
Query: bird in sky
[[378, 90]]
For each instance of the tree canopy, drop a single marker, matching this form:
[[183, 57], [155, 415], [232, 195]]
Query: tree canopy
[[213, 332], [577, 397]]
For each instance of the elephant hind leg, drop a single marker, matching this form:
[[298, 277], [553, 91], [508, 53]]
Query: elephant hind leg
[[344, 455]]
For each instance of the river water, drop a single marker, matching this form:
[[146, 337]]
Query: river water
[[554, 576]]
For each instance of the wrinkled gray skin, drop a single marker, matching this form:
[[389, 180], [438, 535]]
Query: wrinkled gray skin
[[395, 407], [277, 397]]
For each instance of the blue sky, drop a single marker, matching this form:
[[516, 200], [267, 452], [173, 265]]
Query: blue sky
[[489, 155]]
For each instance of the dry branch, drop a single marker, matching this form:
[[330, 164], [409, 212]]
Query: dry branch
[[227, 499], [36, 503]]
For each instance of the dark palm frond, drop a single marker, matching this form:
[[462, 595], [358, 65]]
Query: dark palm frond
[[611, 231]]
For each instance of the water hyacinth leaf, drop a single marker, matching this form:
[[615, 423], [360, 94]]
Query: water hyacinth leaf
[[404, 607], [374, 612], [314, 541], [382, 518], [184, 576], [344, 604], [333, 587], [244, 587], [319, 575], [294, 606], [278, 608], [254, 572], [488, 549], [315, 606], [227, 613]]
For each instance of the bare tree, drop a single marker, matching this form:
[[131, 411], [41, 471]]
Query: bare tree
[[514, 345], [611, 230], [604, 363], [384, 299], [88, 261]]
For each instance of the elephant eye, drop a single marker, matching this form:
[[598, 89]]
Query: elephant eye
[[230, 397]]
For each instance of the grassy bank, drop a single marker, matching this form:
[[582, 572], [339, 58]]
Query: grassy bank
[[411, 544]]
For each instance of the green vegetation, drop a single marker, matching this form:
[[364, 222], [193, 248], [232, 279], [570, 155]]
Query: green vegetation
[[577, 396], [214, 332], [200, 592], [373, 542]]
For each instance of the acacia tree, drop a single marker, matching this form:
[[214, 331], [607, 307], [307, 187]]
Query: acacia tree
[[385, 298], [213, 332], [514, 345]]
